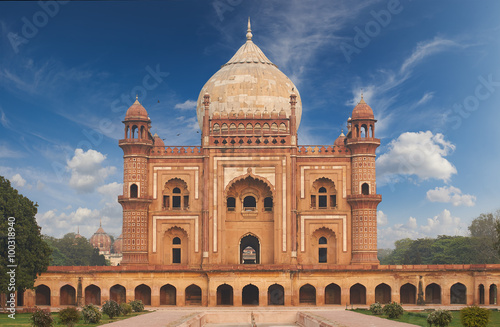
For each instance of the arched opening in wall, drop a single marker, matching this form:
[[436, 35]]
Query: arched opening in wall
[[249, 128], [433, 294], [307, 294], [276, 295], [175, 195], [250, 295], [458, 294], [493, 294], [168, 295], [216, 129], [135, 132], [134, 191], [231, 203], [224, 128], [268, 204], [20, 297], [118, 294], [408, 294], [481, 294], [176, 250], [364, 131], [372, 131], [274, 127], [193, 295], [323, 194], [249, 250], [257, 129], [383, 293], [265, 127], [365, 189], [67, 295], [357, 294], [225, 295], [249, 203], [143, 293], [143, 132], [332, 294], [282, 128], [127, 132], [232, 128], [92, 295], [323, 242], [356, 131], [241, 128], [42, 295]]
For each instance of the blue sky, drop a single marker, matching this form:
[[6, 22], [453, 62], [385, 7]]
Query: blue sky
[[429, 69]]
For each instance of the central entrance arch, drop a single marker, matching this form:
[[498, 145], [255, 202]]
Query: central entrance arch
[[249, 250], [250, 295]]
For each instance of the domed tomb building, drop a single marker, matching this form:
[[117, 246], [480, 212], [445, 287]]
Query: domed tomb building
[[251, 217]]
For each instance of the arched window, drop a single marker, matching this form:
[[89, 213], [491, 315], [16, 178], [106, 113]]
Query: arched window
[[268, 204], [282, 128], [176, 250], [265, 127], [175, 195], [224, 128], [365, 189], [326, 195], [135, 132], [249, 250], [249, 203], [257, 129], [322, 250], [241, 128], [134, 191], [231, 203], [274, 127], [249, 128], [216, 128], [232, 128]]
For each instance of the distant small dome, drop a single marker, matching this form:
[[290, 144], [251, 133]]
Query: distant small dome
[[340, 140], [158, 141], [362, 111], [101, 240], [136, 112]]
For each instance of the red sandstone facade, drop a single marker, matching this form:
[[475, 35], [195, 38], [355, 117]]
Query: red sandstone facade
[[250, 217]]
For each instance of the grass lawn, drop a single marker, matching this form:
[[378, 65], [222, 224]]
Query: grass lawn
[[23, 319], [420, 318]]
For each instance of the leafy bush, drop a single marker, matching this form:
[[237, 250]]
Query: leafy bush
[[41, 318], [137, 305], [111, 308], [126, 308], [393, 310], [69, 316], [474, 316], [376, 309], [439, 318], [91, 314]]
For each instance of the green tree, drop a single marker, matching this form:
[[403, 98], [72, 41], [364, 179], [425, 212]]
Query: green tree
[[32, 254], [74, 251]]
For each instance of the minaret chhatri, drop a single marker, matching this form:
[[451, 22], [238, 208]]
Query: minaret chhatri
[[363, 198]]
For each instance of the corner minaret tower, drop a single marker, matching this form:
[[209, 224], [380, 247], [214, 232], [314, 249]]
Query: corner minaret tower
[[135, 200], [363, 198]]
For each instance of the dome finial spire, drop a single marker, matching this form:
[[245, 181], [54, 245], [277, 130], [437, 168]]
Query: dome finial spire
[[362, 100], [249, 31]]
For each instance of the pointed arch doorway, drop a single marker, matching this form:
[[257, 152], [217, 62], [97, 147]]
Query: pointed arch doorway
[[249, 250]]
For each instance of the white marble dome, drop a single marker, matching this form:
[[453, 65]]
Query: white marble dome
[[249, 82]]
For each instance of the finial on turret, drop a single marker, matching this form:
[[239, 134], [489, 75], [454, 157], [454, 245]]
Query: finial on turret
[[137, 99], [362, 100], [249, 31], [100, 222]]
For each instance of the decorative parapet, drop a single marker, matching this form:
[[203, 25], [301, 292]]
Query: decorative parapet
[[322, 150], [176, 151]]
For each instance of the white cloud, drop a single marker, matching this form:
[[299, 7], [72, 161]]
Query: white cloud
[[7, 152], [420, 154], [450, 194], [111, 191], [425, 49], [18, 181], [425, 98], [87, 171], [381, 218], [442, 224], [186, 105], [3, 119]]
